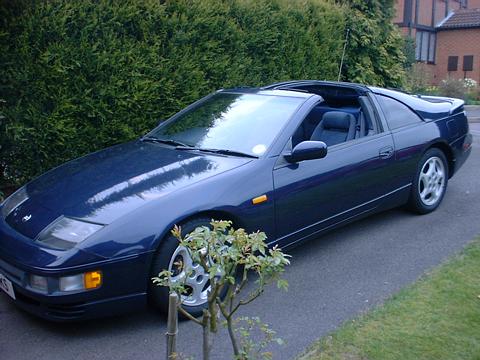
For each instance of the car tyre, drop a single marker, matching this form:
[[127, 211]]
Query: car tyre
[[168, 254], [430, 182]]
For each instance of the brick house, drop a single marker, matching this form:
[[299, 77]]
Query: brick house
[[458, 46], [446, 34]]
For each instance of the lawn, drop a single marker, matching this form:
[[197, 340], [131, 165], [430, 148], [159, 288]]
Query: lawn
[[438, 317]]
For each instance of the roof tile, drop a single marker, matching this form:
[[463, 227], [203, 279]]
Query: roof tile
[[460, 19]]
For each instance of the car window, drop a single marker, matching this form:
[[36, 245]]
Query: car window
[[372, 122], [335, 125], [245, 123], [396, 113]]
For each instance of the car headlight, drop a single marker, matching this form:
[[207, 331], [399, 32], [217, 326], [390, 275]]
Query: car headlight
[[86, 281], [80, 282], [39, 282], [14, 201], [65, 233]]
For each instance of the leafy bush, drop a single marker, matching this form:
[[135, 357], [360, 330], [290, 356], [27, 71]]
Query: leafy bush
[[79, 75], [409, 52], [418, 79], [375, 52], [459, 88], [470, 84], [228, 255]]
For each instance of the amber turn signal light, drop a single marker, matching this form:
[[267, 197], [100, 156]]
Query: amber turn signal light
[[259, 199], [93, 279]]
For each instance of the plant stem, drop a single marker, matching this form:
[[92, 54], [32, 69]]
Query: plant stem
[[188, 315], [212, 296], [206, 335], [228, 317], [233, 339]]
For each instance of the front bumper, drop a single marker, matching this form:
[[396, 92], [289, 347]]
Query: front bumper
[[123, 290], [124, 287]]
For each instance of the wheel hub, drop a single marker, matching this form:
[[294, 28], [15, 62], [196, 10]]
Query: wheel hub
[[192, 275], [431, 181]]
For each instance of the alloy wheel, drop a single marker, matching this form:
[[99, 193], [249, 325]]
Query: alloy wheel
[[192, 275], [431, 181]]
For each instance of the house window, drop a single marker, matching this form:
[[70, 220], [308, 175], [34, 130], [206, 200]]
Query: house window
[[452, 63], [468, 63], [425, 46]]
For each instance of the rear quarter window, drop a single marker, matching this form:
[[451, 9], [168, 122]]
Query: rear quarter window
[[397, 114]]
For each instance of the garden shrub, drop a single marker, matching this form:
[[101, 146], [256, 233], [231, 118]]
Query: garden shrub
[[78, 76], [418, 79], [458, 88], [376, 49]]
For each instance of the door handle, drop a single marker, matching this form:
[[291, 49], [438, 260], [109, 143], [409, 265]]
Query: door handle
[[386, 152]]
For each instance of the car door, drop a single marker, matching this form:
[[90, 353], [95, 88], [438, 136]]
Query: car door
[[313, 195]]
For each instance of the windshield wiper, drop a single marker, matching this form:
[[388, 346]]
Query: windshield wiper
[[182, 146], [166, 141], [218, 151]]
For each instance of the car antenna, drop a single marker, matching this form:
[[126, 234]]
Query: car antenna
[[343, 55]]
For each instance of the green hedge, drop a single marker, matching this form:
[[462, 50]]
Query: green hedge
[[376, 49], [81, 75]]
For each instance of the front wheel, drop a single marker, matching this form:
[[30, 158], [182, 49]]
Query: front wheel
[[430, 182], [176, 258]]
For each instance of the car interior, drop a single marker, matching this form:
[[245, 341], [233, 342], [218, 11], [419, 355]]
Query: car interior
[[344, 115]]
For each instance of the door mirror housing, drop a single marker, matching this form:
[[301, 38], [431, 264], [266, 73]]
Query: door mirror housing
[[307, 150]]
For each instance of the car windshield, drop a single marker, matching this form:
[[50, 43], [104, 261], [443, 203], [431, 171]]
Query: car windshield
[[242, 123]]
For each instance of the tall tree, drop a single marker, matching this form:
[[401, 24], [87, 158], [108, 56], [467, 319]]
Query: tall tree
[[375, 46]]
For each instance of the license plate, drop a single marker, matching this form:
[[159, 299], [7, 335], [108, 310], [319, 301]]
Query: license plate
[[6, 285]]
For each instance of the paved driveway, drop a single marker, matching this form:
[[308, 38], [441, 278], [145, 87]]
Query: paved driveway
[[332, 279], [475, 129], [473, 112]]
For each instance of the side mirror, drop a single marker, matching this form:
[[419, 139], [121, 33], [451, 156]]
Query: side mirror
[[307, 150]]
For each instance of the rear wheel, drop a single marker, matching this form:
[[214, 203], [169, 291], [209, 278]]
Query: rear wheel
[[430, 182], [176, 258]]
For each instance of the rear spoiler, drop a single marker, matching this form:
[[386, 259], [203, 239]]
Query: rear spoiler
[[455, 104]]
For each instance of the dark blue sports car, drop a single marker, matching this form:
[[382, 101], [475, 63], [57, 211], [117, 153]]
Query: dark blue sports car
[[293, 159]]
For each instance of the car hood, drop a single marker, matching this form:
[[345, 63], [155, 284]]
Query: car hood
[[103, 186]]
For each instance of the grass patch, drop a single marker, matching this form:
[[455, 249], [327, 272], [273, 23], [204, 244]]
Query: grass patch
[[472, 102], [438, 317]]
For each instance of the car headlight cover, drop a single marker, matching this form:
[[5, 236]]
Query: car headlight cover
[[39, 282], [14, 201], [86, 281], [71, 283], [65, 233]]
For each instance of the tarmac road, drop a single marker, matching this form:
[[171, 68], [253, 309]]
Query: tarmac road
[[332, 279], [473, 112], [475, 129]]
